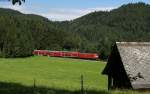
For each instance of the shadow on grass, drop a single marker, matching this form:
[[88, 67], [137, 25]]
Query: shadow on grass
[[13, 88]]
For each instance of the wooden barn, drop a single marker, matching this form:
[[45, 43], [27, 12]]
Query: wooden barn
[[128, 66]]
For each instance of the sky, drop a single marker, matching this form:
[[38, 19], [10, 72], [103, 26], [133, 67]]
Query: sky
[[61, 10]]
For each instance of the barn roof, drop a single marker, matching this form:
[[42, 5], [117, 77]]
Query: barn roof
[[135, 57]]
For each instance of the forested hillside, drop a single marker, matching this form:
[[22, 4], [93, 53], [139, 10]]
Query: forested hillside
[[129, 22], [20, 34]]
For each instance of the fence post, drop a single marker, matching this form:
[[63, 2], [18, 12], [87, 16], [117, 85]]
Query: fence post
[[82, 84], [34, 86]]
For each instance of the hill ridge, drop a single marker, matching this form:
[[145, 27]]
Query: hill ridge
[[94, 32]]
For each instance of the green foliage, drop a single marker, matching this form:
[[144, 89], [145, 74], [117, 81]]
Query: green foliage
[[17, 1], [96, 32], [21, 34], [101, 29]]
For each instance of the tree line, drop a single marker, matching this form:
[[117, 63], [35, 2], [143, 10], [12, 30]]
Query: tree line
[[20, 34]]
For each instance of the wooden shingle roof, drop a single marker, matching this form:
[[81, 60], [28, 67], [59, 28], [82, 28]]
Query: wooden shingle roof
[[136, 60], [135, 57]]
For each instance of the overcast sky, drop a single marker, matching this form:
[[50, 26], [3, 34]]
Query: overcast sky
[[61, 10]]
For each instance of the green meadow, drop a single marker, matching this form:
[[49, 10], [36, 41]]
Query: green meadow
[[62, 73], [51, 75]]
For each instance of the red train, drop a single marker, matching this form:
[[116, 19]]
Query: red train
[[66, 54]]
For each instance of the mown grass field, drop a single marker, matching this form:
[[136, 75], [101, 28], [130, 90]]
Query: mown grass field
[[60, 74]]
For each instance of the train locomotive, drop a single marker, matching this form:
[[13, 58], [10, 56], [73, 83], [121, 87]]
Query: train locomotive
[[70, 54]]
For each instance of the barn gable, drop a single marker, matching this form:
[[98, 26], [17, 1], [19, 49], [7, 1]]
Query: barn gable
[[135, 60]]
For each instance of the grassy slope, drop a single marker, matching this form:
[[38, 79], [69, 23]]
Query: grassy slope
[[58, 73], [53, 72]]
